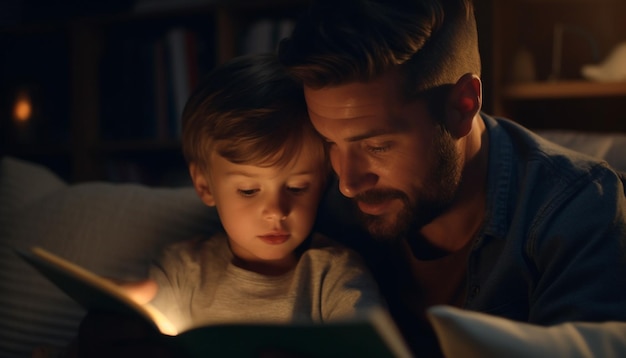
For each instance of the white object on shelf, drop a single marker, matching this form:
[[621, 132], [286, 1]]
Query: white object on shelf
[[612, 69]]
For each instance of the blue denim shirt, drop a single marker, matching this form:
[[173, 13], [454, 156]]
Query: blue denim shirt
[[553, 247]]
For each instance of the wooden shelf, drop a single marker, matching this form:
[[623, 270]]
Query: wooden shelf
[[591, 30], [563, 89]]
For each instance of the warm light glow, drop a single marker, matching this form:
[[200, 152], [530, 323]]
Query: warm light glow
[[23, 110]]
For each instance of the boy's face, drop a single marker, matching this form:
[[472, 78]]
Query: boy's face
[[267, 211]]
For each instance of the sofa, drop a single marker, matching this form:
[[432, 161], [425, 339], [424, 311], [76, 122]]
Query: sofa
[[115, 229]]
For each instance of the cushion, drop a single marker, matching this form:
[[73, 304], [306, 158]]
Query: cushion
[[608, 146], [112, 229], [469, 334]]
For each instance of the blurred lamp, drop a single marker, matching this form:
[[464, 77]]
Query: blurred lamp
[[23, 107]]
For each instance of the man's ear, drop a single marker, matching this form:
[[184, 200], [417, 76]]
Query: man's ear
[[464, 102], [203, 189]]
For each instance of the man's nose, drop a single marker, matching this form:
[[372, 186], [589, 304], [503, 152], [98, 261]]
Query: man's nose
[[354, 173]]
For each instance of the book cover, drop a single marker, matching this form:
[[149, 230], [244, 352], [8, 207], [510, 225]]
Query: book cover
[[370, 335]]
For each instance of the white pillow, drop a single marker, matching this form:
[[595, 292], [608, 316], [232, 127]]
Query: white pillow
[[111, 229], [470, 334]]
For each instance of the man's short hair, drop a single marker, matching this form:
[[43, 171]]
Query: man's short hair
[[434, 42]]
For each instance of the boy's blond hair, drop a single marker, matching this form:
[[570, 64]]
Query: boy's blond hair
[[248, 111]]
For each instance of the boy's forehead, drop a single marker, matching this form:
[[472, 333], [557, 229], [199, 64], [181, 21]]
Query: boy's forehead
[[309, 151], [303, 166]]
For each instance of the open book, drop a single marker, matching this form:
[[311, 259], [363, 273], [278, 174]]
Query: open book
[[370, 335]]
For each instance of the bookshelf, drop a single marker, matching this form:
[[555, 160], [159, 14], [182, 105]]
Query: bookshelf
[[528, 80], [106, 85]]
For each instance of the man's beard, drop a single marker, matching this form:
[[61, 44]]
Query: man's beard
[[434, 198]]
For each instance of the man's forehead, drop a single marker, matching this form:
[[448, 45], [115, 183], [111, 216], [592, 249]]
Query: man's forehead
[[355, 99]]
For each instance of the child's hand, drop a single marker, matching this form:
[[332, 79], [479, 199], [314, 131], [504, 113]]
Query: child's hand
[[105, 334]]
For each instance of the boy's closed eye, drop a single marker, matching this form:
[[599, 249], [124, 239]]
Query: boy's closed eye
[[247, 192], [298, 189]]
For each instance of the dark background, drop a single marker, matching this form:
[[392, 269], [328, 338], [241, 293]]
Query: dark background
[[101, 74]]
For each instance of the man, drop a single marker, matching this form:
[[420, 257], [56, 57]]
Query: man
[[466, 209]]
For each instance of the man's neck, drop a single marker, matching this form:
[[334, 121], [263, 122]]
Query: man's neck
[[459, 224]]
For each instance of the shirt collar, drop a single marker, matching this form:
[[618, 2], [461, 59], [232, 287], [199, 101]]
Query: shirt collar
[[500, 178]]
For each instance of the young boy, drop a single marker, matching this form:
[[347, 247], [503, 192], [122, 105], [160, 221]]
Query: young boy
[[253, 154]]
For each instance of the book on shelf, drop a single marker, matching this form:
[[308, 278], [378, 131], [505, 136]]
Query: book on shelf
[[148, 77], [177, 50], [373, 334], [160, 91]]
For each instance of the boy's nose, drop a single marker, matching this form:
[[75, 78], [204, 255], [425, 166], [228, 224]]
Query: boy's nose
[[276, 209]]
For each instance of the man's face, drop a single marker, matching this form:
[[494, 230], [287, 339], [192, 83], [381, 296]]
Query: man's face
[[400, 167]]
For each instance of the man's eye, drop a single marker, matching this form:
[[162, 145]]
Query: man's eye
[[247, 192], [379, 149]]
